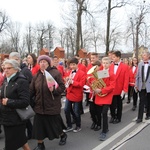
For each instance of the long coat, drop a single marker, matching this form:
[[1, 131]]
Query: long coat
[[43, 99], [17, 92]]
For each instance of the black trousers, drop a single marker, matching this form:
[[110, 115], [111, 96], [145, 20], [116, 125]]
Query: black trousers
[[116, 107], [102, 111], [144, 99], [94, 112], [135, 97], [132, 93]]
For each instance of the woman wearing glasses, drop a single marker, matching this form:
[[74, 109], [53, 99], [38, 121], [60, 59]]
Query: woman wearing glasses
[[14, 94]]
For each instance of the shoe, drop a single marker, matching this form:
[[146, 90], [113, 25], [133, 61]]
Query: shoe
[[111, 120], [134, 108], [77, 129], [97, 128], [68, 129], [102, 136], [93, 125], [63, 139], [147, 118], [40, 146], [128, 102], [116, 121], [138, 120]]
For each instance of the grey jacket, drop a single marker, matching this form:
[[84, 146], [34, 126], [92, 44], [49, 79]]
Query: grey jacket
[[140, 77]]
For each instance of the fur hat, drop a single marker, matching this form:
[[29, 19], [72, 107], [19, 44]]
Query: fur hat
[[44, 57]]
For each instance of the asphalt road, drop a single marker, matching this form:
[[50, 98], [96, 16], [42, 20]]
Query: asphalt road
[[126, 135]]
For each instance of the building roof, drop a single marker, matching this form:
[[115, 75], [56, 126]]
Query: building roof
[[45, 50], [60, 48], [84, 51]]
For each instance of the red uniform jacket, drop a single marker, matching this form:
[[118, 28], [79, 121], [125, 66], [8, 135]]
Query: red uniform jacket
[[35, 69], [110, 85], [75, 90], [122, 78], [132, 76]]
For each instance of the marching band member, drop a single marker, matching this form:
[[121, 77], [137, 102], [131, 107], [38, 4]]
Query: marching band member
[[94, 109], [96, 122], [121, 72], [132, 76], [103, 102], [74, 95]]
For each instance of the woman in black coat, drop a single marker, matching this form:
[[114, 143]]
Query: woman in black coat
[[14, 94]]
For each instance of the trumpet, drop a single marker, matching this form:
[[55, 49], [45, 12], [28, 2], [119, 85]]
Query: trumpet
[[97, 83], [69, 80]]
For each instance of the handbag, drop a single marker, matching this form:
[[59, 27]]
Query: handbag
[[25, 113]]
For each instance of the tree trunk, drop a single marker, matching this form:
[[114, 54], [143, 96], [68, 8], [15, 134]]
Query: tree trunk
[[108, 26], [78, 36]]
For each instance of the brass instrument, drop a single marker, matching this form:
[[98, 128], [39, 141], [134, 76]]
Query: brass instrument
[[98, 82], [68, 81]]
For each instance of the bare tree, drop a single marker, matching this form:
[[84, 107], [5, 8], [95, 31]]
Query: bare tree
[[67, 40], [29, 38], [117, 4], [3, 20], [138, 28], [44, 31], [14, 34]]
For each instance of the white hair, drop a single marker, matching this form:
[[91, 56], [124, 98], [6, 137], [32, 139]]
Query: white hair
[[12, 62]]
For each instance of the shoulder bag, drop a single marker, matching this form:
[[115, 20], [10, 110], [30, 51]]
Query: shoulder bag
[[25, 113]]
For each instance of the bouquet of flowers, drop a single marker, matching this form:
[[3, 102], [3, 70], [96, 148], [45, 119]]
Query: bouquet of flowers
[[50, 80]]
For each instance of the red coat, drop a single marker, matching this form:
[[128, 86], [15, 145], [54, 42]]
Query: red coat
[[122, 78], [35, 69], [75, 90], [61, 70], [82, 67], [110, 85], [132, 76]]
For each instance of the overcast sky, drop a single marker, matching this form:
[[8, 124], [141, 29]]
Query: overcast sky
[[33, 11]]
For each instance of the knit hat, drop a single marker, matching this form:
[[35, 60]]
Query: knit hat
[[44, 57]]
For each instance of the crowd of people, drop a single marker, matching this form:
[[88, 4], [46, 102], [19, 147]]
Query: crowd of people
[[104, 83]]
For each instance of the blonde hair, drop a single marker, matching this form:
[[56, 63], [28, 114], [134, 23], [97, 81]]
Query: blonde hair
[[106, 59]]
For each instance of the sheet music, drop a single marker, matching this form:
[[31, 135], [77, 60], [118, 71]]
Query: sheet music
[[103, 74]]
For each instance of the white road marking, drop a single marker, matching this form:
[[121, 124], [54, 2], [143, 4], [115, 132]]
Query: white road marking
[[115, 136], [134, 132]]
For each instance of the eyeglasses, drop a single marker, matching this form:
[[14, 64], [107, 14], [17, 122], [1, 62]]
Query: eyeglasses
[[8, 68]]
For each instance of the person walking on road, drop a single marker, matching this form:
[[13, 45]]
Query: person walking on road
[[142, 85], [48, 122], [14, 95]]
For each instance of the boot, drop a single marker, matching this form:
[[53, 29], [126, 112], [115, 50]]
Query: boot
[[63, 139], [40, 146]]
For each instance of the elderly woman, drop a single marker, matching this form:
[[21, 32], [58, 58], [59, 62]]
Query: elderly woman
[[47, 104], [14, 94]]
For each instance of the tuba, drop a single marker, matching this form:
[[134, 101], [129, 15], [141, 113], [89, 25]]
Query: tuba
[[98, 82]]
